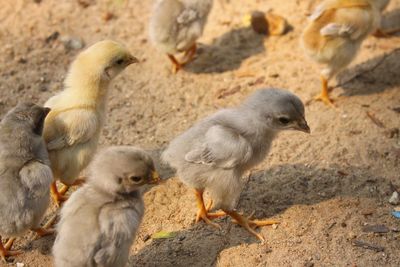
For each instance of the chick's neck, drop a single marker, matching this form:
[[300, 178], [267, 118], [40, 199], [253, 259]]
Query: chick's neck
[[87, 88]]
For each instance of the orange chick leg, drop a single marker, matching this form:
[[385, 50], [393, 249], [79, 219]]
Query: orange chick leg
[[57, 196], [176, 66], [77, 182], [41, 231], [248, 224], [202, 211], [189, 54], [5, 250], [324, 96]]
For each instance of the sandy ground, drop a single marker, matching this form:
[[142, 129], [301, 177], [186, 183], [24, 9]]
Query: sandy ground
[[325, 188]]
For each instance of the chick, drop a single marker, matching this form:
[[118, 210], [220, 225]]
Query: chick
[[380, 32], [25, 174], [175, 25], [73, 126], [99, 222], [214, 153], [335, 33]]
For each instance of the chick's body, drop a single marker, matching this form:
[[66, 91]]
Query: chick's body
[[99, 222], [250, 148], [175, 25], [214, 154], [335, 33], [73, 127], [25, 174]]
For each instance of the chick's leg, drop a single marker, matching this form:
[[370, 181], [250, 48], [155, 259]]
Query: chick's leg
[[248, 224], [5, 249], [78, 182], [189, 54], [176, 66], [324, 96], [202, 211], [42, 231], [57, 196]]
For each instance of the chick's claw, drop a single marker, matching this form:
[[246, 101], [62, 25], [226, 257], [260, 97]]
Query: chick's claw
[[5, 250], [249, 224], [57, 196], [41, 232], [202, 213]]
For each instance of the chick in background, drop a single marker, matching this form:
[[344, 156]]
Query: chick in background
[[334, 35], [175, 26]]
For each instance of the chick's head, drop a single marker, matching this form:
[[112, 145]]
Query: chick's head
[[281, 109], [122, 170], [27, 116], [105, 58]]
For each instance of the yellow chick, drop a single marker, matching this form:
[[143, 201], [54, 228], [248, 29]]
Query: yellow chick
[[335, 33], [73, 126]]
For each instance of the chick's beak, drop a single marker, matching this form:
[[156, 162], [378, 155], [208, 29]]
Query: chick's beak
[[132, 60], [303, 126], [155, 178]]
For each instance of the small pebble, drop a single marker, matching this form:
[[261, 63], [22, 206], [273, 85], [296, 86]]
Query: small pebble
[[394, 199], [72, 43]]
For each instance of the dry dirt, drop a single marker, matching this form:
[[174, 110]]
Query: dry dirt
[[324, 187]]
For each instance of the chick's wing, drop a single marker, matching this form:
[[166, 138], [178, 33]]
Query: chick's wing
[[69, 128], [37, 177], [344, 19], [117, 226], [222, 147]]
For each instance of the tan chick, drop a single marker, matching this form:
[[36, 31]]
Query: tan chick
[[335, 33], [175, 26], [99, 222], [73, 126]]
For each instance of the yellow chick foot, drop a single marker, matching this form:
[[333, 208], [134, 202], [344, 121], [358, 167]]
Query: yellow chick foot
[[210, 215], [202, 213], [176, 66], [41, 232], [325, 99], [249, 224], [57, 197], [5, 250]]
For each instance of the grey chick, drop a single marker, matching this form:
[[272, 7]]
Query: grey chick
[[99, 221], [175, 25], [214, 154], [25, 174]]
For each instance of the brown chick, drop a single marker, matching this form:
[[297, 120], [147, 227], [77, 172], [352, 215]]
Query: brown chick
[[335, 33], [72, 128]]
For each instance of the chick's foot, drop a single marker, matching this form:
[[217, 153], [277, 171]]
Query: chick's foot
[[5, 250], [324, 96], [249, 224], [57, 197], [202, 213], [41, 232]]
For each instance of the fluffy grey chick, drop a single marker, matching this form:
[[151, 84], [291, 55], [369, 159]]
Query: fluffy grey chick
[[25, 174], [214, 154], [99, 221], [175, 25]]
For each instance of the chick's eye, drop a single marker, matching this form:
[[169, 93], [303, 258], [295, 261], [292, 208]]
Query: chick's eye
[[284, 120], [119, 61], [135, 178]]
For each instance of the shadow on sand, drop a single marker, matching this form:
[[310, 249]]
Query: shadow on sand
[[227, 52], [268, 193]]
